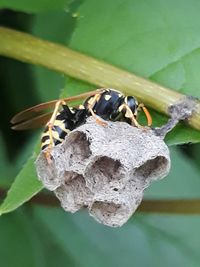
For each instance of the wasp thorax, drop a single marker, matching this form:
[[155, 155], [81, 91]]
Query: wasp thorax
[[105, 104]]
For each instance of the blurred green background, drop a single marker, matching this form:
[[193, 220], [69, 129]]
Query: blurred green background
[[155, 39]]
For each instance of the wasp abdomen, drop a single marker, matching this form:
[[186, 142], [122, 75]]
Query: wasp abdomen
[[61, 127], [66, 120], [58, 137]]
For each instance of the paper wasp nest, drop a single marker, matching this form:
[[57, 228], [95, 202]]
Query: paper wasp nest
[[105, 169]]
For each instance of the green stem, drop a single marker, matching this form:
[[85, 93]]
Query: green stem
[[27, 48], [173, 206]]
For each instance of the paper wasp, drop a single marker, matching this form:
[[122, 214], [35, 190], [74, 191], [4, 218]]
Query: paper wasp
[[105, 103]]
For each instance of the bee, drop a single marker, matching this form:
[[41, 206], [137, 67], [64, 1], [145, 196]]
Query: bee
[[102, 104]]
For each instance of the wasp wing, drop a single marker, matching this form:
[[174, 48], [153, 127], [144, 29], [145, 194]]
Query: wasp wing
[[33, 123], [30, 113]]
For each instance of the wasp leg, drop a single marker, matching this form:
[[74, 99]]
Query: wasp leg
[[147, 114], [99, 121], [50, 125], [129, 114], [91, 104], [135, 122]]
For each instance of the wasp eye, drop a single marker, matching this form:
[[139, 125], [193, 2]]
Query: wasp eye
[[132, 103]]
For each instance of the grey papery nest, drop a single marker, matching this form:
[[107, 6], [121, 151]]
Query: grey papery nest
[[105, 169]]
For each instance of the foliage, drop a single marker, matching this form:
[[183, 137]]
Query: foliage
[[155, 39]]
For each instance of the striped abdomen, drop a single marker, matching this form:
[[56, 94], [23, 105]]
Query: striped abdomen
[[62, 126]]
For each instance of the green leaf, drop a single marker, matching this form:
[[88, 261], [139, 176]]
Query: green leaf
[[125, 34], [146, 240], [20, 244], [34, 6], [5, 166], [153, 40], [177, 185], [53, 237], [25, 186]]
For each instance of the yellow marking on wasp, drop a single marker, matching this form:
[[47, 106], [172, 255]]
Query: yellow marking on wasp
[[72, 110], [93, 100], [129, 113], [58, 123], [47, 142], [111, 89], [61, 125], [56, 136], [45, 134], [90, 101], [81, 107], [107, 97]]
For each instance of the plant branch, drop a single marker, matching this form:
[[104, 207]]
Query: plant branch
[[27, 48], [178, 206], [172, 206]]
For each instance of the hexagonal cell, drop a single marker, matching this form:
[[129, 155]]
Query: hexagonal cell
[[73, 193], [111, 213], [77, 147], [151, 169], [104, 171]]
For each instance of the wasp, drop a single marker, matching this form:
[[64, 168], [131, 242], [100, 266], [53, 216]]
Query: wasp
[[102, 104]]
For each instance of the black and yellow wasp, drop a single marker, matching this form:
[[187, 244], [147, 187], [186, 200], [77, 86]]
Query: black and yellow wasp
[[105, 103]]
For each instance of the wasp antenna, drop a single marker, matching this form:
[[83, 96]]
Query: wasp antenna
[[147, 114]]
